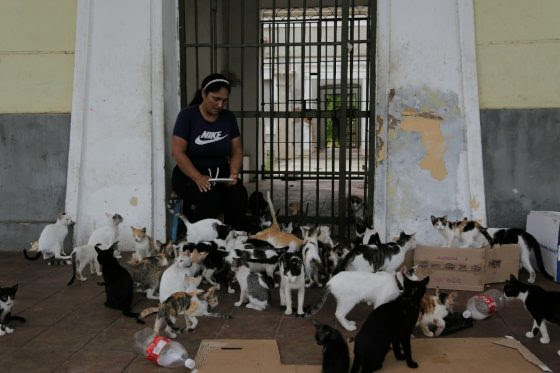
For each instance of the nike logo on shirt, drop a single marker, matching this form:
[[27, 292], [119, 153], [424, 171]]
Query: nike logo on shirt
[[208, 137]]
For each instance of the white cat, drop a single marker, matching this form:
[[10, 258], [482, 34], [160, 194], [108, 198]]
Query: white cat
[[107, 233], [350, 288], [312, 260], [292, 277], [205, 230], [173, 278], [82, 256], [51, 240]]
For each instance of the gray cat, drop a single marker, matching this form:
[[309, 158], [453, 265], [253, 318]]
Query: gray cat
[[255, 287]]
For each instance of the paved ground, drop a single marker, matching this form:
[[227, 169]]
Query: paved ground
[[69, 330]]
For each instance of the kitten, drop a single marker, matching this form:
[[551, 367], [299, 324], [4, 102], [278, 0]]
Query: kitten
[[384, 257], [254, 287], [274, 234], [543, 306], [292, 277], [433, 310], [51, 240], [82, 256], [143, 245], [351, 288], [7, 300], [469, 231], [312, 260], [148, 272], [389, 324], [336, 358], [117, 281], [172, 279], [527, 243], [107, 233], [358, 208], [204, 230]]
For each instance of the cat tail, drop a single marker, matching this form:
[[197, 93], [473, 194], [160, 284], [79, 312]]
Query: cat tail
[[73, 255], [135, 315], [533, 244], [486, 235], [148, 311], [271, 207], [17, 318], [28, 257], [310, 311]]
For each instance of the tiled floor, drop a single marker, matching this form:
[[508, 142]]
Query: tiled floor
[[69, 330]]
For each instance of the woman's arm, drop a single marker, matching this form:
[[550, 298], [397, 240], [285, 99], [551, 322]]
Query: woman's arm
[[236, 159], [179, 153]]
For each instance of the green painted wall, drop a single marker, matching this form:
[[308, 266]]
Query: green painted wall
[[37, 55], [518, 53]]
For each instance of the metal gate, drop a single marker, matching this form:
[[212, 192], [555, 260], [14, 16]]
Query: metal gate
[[303, 93]]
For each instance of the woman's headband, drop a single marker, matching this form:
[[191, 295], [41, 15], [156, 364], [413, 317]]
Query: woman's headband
[[215, 81]]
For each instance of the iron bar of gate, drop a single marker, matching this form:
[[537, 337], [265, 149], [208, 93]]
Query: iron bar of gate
[[287, 100], [272, 122], [351, 30], [275, 44], [197, 77], [334, 86], [319, 113], [343, 117], [302, 105], [182, 55], [371, 57], [213, 35]]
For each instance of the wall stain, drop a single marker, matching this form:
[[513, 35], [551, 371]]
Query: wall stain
[[391, 94], [380, 154], [474, 204], [429, 127], [133, 201]]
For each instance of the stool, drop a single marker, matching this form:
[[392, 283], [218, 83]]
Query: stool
[[177, 209]]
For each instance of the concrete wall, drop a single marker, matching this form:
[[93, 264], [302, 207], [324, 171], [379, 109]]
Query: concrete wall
[[428, 156], [518, 61], [36, 64]]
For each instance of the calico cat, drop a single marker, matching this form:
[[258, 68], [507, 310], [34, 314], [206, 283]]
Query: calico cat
[[383, 257], [254, 287], [433, 310], [336, 358], [117, 281], [292, 277], [82, 256], [107, 233], [389, 324], [469, 231], [143, 245], [350, 288], [543, 306], [274, 234], [527, 243], [148, 272], [51, 240], [7, 300]]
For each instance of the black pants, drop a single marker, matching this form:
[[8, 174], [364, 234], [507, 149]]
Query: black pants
[[221, 198]]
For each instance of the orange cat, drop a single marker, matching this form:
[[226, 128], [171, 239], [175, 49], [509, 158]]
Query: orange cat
[[143, 245]]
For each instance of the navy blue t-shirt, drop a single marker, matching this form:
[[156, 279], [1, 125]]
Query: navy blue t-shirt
[[209, 143]]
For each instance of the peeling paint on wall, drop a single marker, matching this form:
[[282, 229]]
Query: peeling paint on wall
[[380, 154], [133, 201], [474, 204], [429, 126]]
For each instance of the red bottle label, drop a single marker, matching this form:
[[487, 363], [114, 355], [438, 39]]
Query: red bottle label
[[489, 302], [154, 348]]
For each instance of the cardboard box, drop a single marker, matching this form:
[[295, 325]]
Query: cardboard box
[[466, 269], [545, 227]]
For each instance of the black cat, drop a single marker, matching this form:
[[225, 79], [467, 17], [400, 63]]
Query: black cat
[[118, 282], [389, 324], [7, 300], [336, 358], [542, 304]]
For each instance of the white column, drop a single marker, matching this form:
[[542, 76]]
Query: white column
[[116, 159]]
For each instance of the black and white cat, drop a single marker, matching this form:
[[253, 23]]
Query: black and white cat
[[205, 230], [543, 306], [117, 281], [51, 240], [383, 257], [390, 324], [254, 287], [336, 358], [292, 277], [358, 208], [350, 288], [107, 233], [527, 243], [7, 300]]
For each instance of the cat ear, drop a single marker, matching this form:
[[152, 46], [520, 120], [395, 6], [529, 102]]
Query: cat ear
[[425, 281], [512, 278], [433, 219], [144, 229], [132, 227], [316, 323], [14, 288], [97, 248], [445, 218]]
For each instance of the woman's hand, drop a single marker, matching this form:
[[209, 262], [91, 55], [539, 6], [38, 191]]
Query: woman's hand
[[202, 183], [234, 178]]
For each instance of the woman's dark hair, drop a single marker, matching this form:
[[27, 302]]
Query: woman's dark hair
[[213, 87]]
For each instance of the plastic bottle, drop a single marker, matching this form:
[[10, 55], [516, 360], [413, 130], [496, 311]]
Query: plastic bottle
[[162, 350], [483, 305]]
